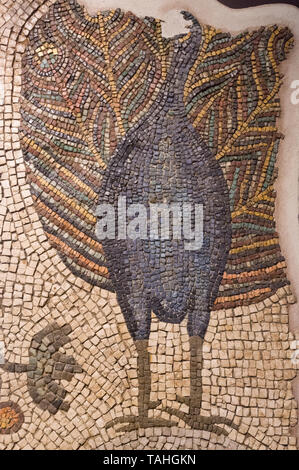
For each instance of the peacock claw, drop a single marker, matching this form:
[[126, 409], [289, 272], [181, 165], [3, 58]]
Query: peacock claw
[[139, 422], [196, 421], [154, 404]]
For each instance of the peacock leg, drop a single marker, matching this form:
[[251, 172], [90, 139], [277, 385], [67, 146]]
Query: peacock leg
[[193, 417], [144, 391], [144, 381]]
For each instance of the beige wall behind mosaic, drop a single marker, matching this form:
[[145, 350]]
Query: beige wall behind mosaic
[[249, 368]]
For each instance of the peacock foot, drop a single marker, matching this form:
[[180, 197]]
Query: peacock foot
[[196, 421], [134, 422], [139, 422]]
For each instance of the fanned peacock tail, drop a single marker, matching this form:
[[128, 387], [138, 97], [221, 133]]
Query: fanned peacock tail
[[231, 97], [87, 80]]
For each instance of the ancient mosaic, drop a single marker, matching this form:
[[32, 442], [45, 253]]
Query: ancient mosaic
[[160, 345]]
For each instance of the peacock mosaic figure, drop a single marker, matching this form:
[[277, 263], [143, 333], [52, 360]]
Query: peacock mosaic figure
[[112, 109], [164, 160]]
